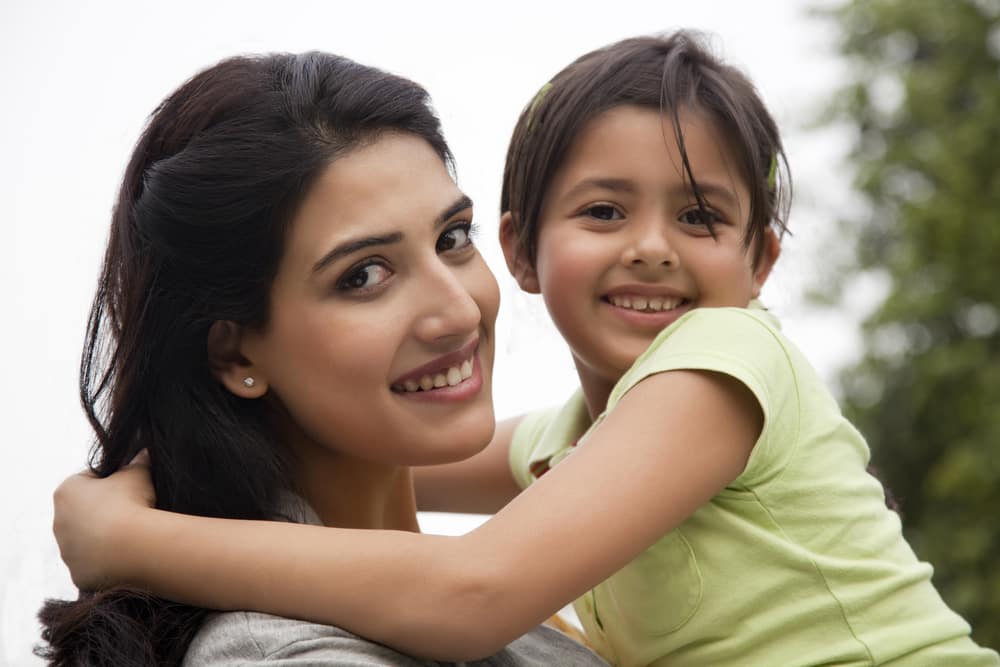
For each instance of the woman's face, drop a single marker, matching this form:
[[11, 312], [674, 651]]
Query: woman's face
[[379, 346]]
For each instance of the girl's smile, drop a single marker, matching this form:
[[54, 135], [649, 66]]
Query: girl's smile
[[646, 306]]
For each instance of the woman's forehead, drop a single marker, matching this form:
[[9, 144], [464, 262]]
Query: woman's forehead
[[398, 180]]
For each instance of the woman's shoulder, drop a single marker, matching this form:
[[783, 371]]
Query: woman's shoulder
[[250, 638]]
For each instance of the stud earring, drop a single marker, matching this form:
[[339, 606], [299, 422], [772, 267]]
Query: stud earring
[[249, 382]]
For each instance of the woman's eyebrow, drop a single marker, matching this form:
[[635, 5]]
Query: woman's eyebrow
[[463, 202], [354, 245]]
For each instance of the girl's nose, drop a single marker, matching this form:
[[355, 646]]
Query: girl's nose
[[649, 245]]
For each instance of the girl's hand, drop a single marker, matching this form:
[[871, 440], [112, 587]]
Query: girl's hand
[[90, 519]]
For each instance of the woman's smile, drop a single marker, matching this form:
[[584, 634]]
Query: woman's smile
[[455, 376]]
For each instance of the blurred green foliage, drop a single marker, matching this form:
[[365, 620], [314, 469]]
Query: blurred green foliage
[[924, 97]]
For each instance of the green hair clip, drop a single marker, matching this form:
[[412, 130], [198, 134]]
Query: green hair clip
[[772, 173], [539, 96]]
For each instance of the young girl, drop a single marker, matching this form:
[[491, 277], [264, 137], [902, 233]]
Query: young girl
[[701, 497]]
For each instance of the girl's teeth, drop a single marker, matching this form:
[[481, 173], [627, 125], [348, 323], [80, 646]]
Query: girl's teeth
[[652, 304], [448, 378]]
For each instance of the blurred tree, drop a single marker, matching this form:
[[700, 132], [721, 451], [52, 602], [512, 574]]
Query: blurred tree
[[924, 97]]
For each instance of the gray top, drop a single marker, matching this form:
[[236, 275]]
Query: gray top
[[251, 638]]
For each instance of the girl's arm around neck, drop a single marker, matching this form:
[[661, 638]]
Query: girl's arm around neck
[[673, 442]]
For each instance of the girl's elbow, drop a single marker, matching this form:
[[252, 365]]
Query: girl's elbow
[[462, 637], [472, 607], [480, 620], [473, 639]]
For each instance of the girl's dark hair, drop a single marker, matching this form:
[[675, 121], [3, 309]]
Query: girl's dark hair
[[196, 236], [669, 74]]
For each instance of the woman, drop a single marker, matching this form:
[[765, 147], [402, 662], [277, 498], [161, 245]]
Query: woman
[[290, 314]]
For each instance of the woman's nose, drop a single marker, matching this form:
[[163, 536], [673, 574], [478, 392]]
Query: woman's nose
[[448, 308]]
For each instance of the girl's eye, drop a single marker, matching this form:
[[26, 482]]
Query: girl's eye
[[456, 238], [603, 212], [364, 277], [700, 217]]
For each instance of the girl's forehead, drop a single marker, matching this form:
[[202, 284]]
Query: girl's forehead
[[635, 139]]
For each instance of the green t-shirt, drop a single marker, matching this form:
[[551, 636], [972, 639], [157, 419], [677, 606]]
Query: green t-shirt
[[797, 562]]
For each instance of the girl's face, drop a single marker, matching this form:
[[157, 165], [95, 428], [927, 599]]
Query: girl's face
[[623, 249], [379, 347]]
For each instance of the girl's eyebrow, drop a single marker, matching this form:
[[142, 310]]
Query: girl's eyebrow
[[354, 245], [708, 189], [711, 191], [613, 184]]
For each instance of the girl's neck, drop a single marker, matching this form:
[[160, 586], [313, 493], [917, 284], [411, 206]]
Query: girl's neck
[[596, 388], [351, 493]]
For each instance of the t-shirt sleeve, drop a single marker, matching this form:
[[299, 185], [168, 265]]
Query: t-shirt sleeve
[[744, 345], [527, 435]]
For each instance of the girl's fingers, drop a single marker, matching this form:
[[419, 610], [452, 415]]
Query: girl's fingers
[[142, 458]]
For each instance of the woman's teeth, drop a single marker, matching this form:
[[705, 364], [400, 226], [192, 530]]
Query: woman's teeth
[[647, 304], [447, 378]]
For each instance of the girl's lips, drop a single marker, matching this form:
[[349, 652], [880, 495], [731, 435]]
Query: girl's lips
[[648, 319]]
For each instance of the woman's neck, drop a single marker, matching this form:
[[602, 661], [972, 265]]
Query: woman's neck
[[351, 493]]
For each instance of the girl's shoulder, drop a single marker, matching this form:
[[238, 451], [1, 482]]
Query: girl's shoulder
[[746, 343]]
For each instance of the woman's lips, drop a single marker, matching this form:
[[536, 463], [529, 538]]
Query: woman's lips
[[450, 375], [469, 382]]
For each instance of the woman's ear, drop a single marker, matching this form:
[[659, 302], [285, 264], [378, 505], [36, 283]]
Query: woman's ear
[[230, 367], [768, 256], [517, 263]]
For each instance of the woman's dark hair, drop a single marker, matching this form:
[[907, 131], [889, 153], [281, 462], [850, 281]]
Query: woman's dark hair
[[668, 74], [196, 236]]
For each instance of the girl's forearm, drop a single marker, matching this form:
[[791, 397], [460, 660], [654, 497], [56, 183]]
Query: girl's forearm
[[430, 596]]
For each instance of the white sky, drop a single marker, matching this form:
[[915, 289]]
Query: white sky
[[79, 79]]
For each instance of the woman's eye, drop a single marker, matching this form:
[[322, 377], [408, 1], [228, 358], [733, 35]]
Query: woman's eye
[[364, 277], [456, 238], [604, 212], [699, 217]]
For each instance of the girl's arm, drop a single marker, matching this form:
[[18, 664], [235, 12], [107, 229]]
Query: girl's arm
[[479, 485], [673, 442]]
